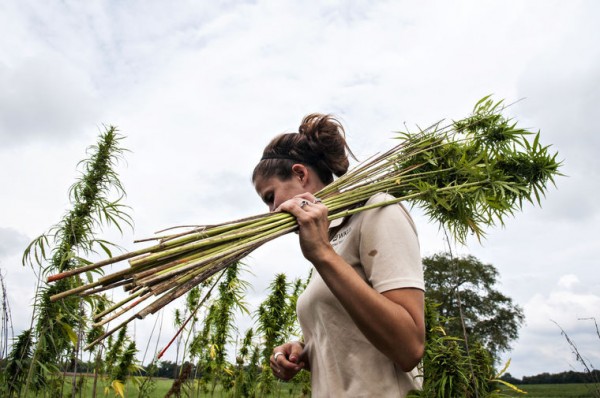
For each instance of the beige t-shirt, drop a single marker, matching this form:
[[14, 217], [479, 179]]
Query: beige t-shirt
[[382, 246]]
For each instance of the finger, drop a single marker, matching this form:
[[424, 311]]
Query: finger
[[277, 354], [281, 360], [275, 368], [297, 207], [282, 373], [313, 202], [304, 203], [312, 199], [309, 197], [296, 353], [303, 200], [288, 367], [293, 205]]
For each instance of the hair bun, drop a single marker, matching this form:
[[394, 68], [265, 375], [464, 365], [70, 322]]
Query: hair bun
[[320, 143], [326, 139], [316, 124]]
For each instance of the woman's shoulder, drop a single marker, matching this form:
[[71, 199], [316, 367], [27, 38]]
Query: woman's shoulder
[[380, 197], [395, 208]]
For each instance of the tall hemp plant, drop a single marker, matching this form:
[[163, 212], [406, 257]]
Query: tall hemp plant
[[18, 362], [231, 298], [209, 346], [181, 374], [96, 202], [245, 370], [196, 343], [276, 317]]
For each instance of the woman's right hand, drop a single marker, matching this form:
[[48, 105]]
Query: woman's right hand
[[288, 359]]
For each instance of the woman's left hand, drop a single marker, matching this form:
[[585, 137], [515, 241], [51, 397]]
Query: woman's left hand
[[312, 219]]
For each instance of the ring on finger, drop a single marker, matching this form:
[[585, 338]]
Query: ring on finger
[[303, 203], [317, 200], [276, 355]]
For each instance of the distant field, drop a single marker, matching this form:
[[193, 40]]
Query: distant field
[[558, 390], [533, 391], [162, 386]]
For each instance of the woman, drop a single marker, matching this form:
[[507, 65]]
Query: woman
[[362, 313]]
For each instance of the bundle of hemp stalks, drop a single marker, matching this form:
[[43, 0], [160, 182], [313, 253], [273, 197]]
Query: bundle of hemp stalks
[[465, 175]]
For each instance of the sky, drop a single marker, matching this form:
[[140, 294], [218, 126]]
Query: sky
[[199, 88]]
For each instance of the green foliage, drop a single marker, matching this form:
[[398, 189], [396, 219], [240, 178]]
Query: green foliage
[[450, 369], [488, 162], [98, 305], [271, 313], [271, 324], [119, 362], [63, 247], [126, 364], [209, 346], [566, 377], [467, 284], [19, 361], [231, 298], [114, 350], [92, 209], [244, 376], [276, 317]]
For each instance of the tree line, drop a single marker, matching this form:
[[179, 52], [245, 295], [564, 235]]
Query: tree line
[[566, 377]]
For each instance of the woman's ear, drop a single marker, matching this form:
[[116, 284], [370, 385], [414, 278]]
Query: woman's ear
[[301, 172]]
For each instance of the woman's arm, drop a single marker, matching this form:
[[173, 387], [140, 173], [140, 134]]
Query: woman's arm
[[393, 321]]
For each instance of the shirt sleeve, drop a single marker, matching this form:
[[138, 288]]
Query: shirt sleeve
[[389, 248]]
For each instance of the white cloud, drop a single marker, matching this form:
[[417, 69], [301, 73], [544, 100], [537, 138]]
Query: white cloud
[[569, 281], [44, 98], [562, 306], [541, 347], [12, 241]]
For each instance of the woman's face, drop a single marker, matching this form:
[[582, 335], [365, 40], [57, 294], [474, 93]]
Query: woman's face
[[274, 191]]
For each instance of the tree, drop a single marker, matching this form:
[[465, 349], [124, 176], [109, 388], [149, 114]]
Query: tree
[[166, 369], [467, 284]]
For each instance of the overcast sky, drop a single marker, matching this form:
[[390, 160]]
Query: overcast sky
[[198, 89]]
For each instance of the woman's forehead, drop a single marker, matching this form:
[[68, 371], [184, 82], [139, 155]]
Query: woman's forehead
[[261, 183]]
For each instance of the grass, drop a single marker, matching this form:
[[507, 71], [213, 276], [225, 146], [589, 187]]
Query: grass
[[557, 390], [162, 386]]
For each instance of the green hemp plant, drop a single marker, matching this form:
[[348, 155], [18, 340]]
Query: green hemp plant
[[59, 325]]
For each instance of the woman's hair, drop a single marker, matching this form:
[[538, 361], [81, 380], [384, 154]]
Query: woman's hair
[[320, 143]]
